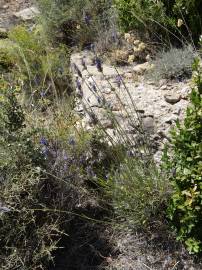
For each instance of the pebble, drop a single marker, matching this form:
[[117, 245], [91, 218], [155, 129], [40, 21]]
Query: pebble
[[172, 98]]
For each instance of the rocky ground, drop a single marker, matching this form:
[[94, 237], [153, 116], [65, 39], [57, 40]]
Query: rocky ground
[[158, 104], [9, 11]]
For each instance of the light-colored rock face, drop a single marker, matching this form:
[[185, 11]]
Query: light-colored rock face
[[158, 106], [8, 9], [27, 14]]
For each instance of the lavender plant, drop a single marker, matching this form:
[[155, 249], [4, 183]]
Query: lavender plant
[[136, 188]]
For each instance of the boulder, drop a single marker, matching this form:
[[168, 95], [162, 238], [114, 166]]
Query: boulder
[[172, 98], [27, 14], [141, 68]]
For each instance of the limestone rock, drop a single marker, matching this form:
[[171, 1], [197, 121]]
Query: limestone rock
[[148, 124], [27, 14], [141, 68], [107, 123], [172, 98]]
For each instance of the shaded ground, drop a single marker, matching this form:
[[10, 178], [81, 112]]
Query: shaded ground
[[154, 249]]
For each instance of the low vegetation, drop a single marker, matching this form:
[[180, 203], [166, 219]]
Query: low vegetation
[[186, 159], [66, 191], [173, 64], [178, 19]]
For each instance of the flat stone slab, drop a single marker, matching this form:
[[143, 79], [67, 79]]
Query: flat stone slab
[[172, 98]]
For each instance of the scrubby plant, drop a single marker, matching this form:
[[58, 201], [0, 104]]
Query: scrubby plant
[[41, 70], [46, 194], [175, 63], [134, 187], [137, 14], [189, 12], [185, 162], [162, 18], [137, 192], [6, 62], [79, 22]]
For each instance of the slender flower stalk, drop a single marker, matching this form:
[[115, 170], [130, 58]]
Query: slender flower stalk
[[77, 70]]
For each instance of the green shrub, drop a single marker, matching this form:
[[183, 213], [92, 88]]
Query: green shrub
[[137, 191], [175, 63], [6, 62], [78, 22], [41, 70], [190, 13], [137, 14], [46, 194], [185, 162], [161, 17]]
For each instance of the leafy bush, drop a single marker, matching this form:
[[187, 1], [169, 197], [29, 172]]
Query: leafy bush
[[137, 191], [186, 159], [190, 13], [137, 14], [6, 62], [173, 64], [161, 17]]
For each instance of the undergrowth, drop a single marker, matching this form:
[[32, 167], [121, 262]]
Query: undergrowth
[[175, 63], [185, 160]]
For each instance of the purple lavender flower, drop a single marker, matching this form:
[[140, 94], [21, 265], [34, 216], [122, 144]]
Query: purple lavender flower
[[87, 19], [65, 157], [98, 64], [43, 93], [43, 141], [77, 70], [37, 79], [118, 80]]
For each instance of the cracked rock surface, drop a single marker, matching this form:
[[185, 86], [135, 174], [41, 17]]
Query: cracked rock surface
[[158, 104]]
